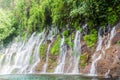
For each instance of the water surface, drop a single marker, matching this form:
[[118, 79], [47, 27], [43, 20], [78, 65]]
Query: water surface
[[49, 77]]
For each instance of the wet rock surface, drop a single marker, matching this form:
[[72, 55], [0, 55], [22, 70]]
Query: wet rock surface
[[39, 66], [87, 52], [116, 38], [52, 63], [108, 65], [110, 62]]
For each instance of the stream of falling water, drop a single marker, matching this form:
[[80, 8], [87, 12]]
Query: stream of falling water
[[36, 55], [112, 34], [46, 63], [51, 37], [61, 60], [99, 47], [77, 50], [95, 58], [23, 57]]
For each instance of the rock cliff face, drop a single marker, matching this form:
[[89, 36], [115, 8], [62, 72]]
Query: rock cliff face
[[109, 64], [60, 54]]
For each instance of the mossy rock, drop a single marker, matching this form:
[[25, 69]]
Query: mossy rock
[[42, 50], [73, 36], [69, 41], [55, 49], [118, 42], [91, 39], [83, 60], [51, 65]]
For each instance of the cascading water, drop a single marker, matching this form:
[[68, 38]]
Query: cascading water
[[37, 59], [95, 58], [77, 51], [50, 37], [112, 34], [61, 60], [46, 63], [21, 57]]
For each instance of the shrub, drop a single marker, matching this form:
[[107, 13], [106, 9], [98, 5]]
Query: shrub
[[6, 23], [54, 50], [91, 38], [42, 50]]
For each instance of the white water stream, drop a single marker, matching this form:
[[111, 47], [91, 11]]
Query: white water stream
[[96, 57], [23, 57]]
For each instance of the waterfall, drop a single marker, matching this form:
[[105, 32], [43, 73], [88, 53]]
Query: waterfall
[[21, 57], [47, 53], [70, 61], [100, 41], [24, 56], [46, 63], [94, 57], [77, 51], [36, 56], [112, 34], [74, 56], [61, 60], [101, 47]]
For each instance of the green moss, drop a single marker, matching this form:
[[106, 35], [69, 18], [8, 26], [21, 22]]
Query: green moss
[[31, 59], [68, 38], [24, 36], [56, 46], [42, 50], [51, 64], [91, 38], [69, 42], [118, 42], [65, 33], [73, 36], [83, 61]]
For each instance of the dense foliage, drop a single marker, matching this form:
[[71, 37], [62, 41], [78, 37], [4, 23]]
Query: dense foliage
[[5, 24], [55, 47], [36, 15]]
